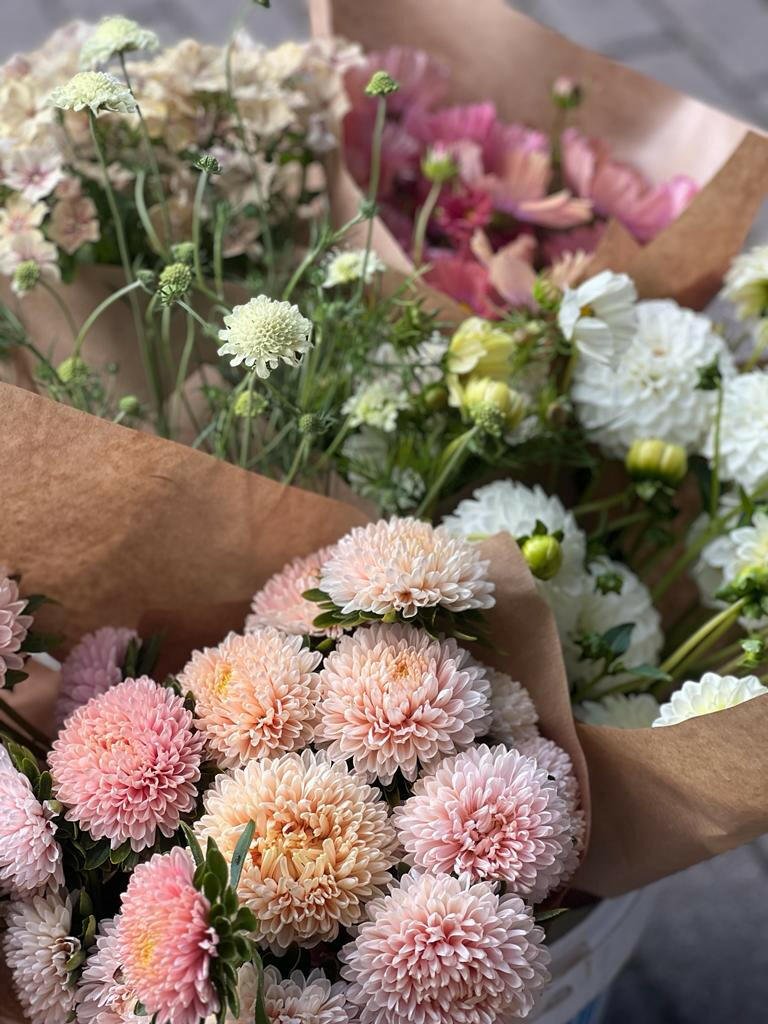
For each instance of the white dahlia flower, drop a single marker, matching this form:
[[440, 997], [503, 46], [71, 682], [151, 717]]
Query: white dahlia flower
[[711, 693], [746, 283], [598, 316], [264, 332], [621, 710], [743, 429], [721, 561]]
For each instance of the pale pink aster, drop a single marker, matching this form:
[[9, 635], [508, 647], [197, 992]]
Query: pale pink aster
[[514, 715], [557, 764], [280, 603], [323, 845], [30, 246], [126, 764], [73, 223], [165, 941], [255, 695], [37, 945], [33, 171], [14, 625], [19, 215], [394, 698], [404, 565], [92, 667], [493, 814], [441, 950], [30, 856], [102, 994], [295, 1000]]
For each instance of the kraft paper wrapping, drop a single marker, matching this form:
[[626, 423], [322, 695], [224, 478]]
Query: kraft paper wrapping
[[512, 60]]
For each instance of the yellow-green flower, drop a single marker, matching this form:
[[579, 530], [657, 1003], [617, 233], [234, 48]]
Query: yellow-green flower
[[95, 90], [113, 36]]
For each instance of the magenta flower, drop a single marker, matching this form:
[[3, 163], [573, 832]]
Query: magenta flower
[[91, 668]]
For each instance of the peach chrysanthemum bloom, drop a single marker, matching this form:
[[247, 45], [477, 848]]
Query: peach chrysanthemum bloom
[[403, 565], [92, 667], [127, 763], [255, 695], [30, 856], [102, 996], [557, 764], [279, 603], [441, 950], [322, 847], [295, 1000], [514, 714], [165, 941], [13, 627], [493, 814], [395, 698]]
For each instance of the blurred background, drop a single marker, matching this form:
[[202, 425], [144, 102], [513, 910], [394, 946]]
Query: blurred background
[[704, 957]]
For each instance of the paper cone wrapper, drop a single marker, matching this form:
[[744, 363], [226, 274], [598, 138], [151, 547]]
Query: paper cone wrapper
[[512, 60]]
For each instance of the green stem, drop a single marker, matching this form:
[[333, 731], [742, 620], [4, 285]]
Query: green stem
[[422, 222], [724, 618], [759, 349], [146, 222], [600, 505], [452, 458], [218, 259], [298, 459], [32, 731], [570, 367], [247, 429], [62, 306], [714, 483], [197, 211], [373, 183], [94, 316]]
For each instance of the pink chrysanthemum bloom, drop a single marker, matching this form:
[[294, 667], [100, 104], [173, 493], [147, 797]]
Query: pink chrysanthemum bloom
[[493, 814], [294, 1000], [30, 856], [127, 763], [255, 695], [395, 698], [557, 764], [440, 950], [165, 942], [102, 994], [37, 945], [403, 565], [279, 603], [322, 847], [91, 668], [514, 714], [13, 627]]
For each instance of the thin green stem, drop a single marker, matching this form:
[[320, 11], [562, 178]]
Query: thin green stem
[[373, 183], [61, 304], [197, 213], [247, 428], [570, 368], [452, 458], [422, 222], [94, 316], [714, 483], [298, 459], [601, 504], [19, 720], [141, 209], [726, 617]]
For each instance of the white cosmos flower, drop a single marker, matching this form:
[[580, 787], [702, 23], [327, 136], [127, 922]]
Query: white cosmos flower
[[95, 90], [711, 693], [598, 316], [650, 390], [746, 283], [346, 267], [743, 431], [622, 711], [115, 35], [264, 332]]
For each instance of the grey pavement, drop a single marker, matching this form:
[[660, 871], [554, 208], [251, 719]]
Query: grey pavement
[[704, 957]]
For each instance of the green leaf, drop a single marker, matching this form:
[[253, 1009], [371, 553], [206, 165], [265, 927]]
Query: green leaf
[[216, 864], [194, 847], [245, 921], [44, 787], [120, 855], [316, 595], [547, 915], [212, 889], [148, 654], [75, 960], [241, 852], [96, 856], [617, 638], [14, 676], [651, 672]]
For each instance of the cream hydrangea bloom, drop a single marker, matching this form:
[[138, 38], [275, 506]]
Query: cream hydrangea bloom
[[621, 710], [711, 693], [115, 35], [95, 90], [743, 430], [346, 267], [599, 316], [264, 332]]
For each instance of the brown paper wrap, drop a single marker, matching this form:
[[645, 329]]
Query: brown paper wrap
[[513, 61]]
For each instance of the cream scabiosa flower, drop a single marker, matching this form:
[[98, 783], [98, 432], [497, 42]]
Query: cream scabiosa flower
[[598, 316], [743, 429], [711, 693], [650, 390], [113, 36], [346, 267], [746, 283], [95, 90], [264, 332], [377, 404], [621, 710]]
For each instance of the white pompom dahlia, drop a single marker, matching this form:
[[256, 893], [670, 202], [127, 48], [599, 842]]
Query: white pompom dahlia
[[711, 693], [743, 429]]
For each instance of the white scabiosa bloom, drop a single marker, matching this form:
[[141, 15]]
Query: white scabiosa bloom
[[377, 404], [95, 90], [711, 693], [37, 947], [264, 332], [746, 283], [743, 430], [512, 507], [346, 267], [599, 315], [113, 36], [650, 390], [613, 595], [621, 710]]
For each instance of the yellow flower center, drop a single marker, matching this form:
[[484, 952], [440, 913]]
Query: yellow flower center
[[145, 949], [587, 310], [222, 678]]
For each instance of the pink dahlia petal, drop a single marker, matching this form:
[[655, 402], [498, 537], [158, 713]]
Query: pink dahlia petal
[[493, 814], [323, 846], [395, 699], [280, 603], [255, 695], [126, 764], [91, 668], [165, 942], [13, 627], [440, 950], [102, 994], [404, 565], [30, 856]]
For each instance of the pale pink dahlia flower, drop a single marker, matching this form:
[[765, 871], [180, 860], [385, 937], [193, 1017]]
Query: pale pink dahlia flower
[[13, 627], [322, 848], [255, 695], [91, 668], [165, 941], [404, 565], [295, 1000], [395, 698], [440, 950], [30, 857], [127, 763], [280, 603], [514, 714], [493, 814], [37, 947], [557, 764], [102, 994]]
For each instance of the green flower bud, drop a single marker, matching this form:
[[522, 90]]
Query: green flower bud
[[546, 293], [147, 279], [544, 555], [245, 401], [308, 423], [209, 164], [381, 84], [25, 276], [72, 370], [130, 405], [174, 282], [566, 93], [493, 405], [435, 397], [653, 459], [439, 166], [183, 252]]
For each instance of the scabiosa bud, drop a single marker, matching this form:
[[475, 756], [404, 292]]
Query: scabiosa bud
[[25, 277], [183, 252], [438, 165], [209, 164], [566, 93], [248, 404], [544, 555], [147, 279], [130, 405], [72, 370], [174, 282], [308, 423], [493, 405], [653, 459], [381, 84]]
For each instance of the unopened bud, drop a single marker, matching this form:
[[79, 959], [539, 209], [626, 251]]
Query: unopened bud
[[72, 370], [544, 555], [381, 84], [174, 282], [130, 405], [439, 166], [248, 404], [308, 423], [566, 93], [493, 405], [25, 277], [546, 293], [209, 164], [183, 252], [435, 397], [653, 459]]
